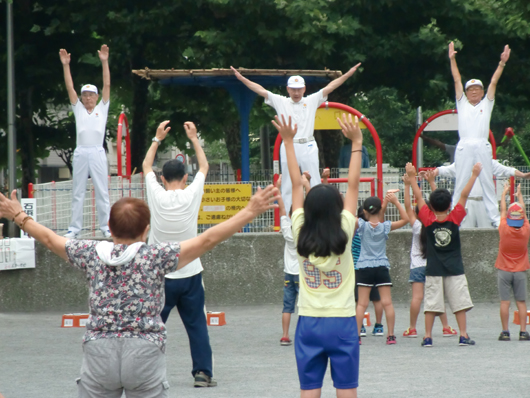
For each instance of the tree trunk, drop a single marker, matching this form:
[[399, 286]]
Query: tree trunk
[[233, 144], [329, 145], [140, 108]]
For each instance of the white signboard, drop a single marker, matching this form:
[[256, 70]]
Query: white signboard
[[30, 208], [447, 122], [17, 253]]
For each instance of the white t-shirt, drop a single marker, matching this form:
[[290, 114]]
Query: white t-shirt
[[90, 127], [302, 112], [416, 256], [474, 121], [174, 217], [290, 257]]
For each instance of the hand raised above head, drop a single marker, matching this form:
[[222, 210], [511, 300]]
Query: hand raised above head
[[284, 128], [104, 53], [350, 129], [411, 170], [505, 56], [406, 179], [477, 168], [161, 131], [191, 130], [64, 56], [452, 51], [9, 207]]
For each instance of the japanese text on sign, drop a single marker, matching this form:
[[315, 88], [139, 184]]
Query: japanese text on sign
[[220, 202]]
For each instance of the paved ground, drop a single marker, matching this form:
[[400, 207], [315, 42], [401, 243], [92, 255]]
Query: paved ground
[[39, 359]]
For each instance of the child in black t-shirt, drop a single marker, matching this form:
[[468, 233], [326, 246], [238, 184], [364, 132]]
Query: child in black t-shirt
[[445, 271]]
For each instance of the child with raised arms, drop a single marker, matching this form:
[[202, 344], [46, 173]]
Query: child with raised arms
[[323, 227], [373, 265], [418, 263]]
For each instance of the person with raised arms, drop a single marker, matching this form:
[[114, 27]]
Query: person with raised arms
[[90, 158], [474, 114], [302, 111]]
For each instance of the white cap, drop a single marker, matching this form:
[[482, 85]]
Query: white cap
[[296, 82], [474, 82], [89, 87]]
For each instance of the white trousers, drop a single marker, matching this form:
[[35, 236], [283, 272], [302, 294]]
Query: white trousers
[[477, 216], [468, 152], [90, 160], [307, 158]]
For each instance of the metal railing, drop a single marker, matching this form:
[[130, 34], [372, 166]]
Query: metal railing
[[54, 200]]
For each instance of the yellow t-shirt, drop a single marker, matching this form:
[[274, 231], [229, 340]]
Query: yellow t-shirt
[[327, 284]]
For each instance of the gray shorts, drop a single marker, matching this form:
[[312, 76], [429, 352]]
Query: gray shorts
[[112, 366], [452, 288], [506, 281]]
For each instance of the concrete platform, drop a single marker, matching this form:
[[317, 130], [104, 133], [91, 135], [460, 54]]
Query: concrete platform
[[39, 359]]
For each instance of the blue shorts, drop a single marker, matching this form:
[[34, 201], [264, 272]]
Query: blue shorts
[[417, 275], [290, 291], [318, 339]]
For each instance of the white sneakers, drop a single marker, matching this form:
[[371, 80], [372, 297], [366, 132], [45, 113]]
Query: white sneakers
[[71, 235]]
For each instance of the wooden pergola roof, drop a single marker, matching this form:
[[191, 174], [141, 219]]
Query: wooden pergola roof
[[158, 74]]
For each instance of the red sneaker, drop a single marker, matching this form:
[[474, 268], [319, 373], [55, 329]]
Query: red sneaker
[[285, 341], [410, 333], [449, 332], [391, 340]]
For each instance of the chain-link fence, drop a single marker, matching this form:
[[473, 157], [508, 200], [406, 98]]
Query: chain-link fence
[[54, 200]]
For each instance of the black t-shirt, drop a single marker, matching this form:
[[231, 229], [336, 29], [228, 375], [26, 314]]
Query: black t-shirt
[[444, 255]]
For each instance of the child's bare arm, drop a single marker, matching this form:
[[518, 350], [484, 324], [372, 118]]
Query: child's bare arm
[[430, 175], [505, 190], [411, 172], [520, 199], [306, 181], [408, 205], [325, 176], [477, 168], [402, 213], [384, 205]]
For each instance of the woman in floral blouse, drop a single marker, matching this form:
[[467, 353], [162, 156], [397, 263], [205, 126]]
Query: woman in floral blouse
[[124, 343]]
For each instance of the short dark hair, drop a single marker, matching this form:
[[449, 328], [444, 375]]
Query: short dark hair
[[372, 205], [322, 232], [128, 218], [440, 199], [360, 213], [174, 170]]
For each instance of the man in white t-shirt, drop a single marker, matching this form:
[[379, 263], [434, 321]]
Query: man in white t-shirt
[[174, 214], [302, 111], [477, 217], [89, 155], [474, 114]]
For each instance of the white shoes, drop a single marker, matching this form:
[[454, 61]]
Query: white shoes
[[71, 235]]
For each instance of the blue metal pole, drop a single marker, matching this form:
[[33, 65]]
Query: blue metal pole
[[244, 98]]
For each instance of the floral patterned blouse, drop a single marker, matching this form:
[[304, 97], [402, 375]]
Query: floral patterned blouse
[[125, 300]]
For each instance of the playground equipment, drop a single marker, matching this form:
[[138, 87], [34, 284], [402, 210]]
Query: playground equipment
[[121, 122], [326, 119]]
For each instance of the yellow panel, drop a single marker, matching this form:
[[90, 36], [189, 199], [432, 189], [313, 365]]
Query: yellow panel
[[220, 202], [326, 119]]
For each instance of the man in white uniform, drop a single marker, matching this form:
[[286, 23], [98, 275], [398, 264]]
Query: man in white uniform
[[477, 217], [89, 155], [174, 214], [474, 114], [302, 111]]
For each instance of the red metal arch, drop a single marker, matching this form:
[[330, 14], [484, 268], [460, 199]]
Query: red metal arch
[[426, 123], [123, 120], [369, 126]]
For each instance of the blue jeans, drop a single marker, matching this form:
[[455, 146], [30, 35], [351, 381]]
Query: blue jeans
[[187, 294], [290, 291]]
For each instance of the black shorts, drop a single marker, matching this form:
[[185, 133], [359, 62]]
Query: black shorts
[[374, 293], [373, 276]]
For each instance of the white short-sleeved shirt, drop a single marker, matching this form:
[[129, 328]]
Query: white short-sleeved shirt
[[90, 127], [474, 121], [416, 255], [174, 217], [290, 256], [302, 112]]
